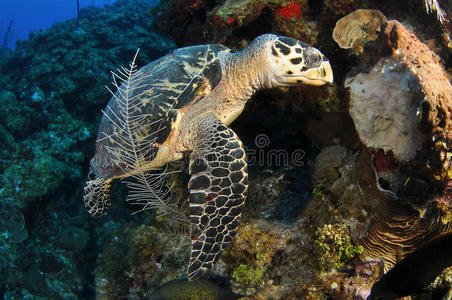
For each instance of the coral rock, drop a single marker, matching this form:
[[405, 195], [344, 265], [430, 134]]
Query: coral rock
[[236, 12]]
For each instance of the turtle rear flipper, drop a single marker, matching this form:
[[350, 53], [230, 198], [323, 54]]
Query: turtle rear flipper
[[217, 191], [96, 194]]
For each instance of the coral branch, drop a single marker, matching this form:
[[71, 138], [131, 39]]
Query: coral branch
[[7, 34], [78, 13]]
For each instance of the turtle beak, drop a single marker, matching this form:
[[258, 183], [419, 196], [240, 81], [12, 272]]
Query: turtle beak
[[316, 76], [320, 75], [328, 72]]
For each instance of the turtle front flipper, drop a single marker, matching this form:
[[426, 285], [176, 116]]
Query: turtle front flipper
[[217, 191], [96, 194]]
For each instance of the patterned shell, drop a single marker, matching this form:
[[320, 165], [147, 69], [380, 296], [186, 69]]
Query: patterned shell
[[141, 113]]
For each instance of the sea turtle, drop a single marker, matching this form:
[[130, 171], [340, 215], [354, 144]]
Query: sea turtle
[[182, 104]]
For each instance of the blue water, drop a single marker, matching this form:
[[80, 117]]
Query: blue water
[[31, 15]]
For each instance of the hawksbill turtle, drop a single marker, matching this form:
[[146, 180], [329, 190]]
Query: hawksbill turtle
[[181, 104]]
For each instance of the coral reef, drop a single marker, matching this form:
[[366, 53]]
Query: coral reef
[[292, 18], [233, 12], [48, 106], [137, 260], [254, 248], [49, 87]]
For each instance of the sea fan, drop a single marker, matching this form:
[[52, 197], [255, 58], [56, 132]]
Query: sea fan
[[131, 148]]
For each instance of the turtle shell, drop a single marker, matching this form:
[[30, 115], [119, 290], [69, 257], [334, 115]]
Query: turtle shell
[[141, 114]]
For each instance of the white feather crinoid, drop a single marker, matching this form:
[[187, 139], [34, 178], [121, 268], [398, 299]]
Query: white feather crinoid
[[131, 146], [433, 5]]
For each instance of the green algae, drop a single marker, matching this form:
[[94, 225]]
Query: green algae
[[333, 246], [248, 275]]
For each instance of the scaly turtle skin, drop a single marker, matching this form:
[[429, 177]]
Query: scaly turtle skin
[[183, 103]]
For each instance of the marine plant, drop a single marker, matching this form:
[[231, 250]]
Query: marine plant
[[333, 246], [248, 275]]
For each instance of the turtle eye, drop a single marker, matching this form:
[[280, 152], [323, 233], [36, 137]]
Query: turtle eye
[[312, 58]]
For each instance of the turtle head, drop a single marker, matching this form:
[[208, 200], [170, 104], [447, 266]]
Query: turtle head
[[293, 62]]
